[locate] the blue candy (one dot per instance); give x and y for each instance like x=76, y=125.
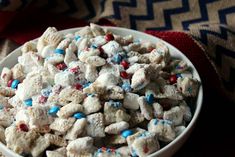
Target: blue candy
x=127, y=133
x=150, y=98
x=77, y=38
x=117, y=58
x=155, y=121
x=14, y=84
x=178, y=75
x=59, y=51
x=86, y=85
x=79, y=115
x=53, y=110
x=1, y=106
x=46, y=92
x=94, y=46
x=126, y=87
x=28, y=102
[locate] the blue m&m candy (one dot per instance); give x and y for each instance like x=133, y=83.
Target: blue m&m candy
x=28, y=102
x=117, y=58
x=53, y=110
x=77, y=37
x=150, y=98
x=127, y=133
x=126, y=87
x=14, y=84
x=59, y=51
x=86, y=85
x=79, y=115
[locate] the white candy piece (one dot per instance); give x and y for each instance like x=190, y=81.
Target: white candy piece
x=77, y=129
x=116, y=128
x=62, y=125
x=111, y=48
x=69, y=109
x=163, y=129
x=64, y=78
x=140, y=79
x=131, y=101
x=80, y=146
x=175, y=114
x=188, y=86
x=146, y=110
x=91, y=104
x=95, y=125
x=29, y=87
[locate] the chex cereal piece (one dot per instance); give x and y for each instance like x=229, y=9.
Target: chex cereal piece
x=175, y=114
x=116, y=128
x=96, y=29
x=113, y=92
x=95, y=125
x=158, y=110
x=136, y=118
x=55, y=140
x=69, y=109
x=71, y=94
x=28, y=47
x=145, y=145
x=188, y=86
x=40, y=145
x=6, y=75
x=170, y=92
x=115, y=139
x=91, y=104
x=140, y=79
x=124, y=151
x=77, y=129
x=121, y=115
x=187, y=114
x=62, y=125
x=146, y=109
x=163, y=128
x=6, y=118
x=2, y=135
x=131, y=101
x=111, y=48
x=80, y=146
x=64, y=78
x=20, y=141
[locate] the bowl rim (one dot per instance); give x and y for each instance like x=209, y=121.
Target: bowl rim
x=198, y=103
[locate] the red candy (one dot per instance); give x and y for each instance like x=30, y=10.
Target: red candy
x=9, y=83
x=124, y=75
x=146, y=149
x=125, y=64
x=109, y=37
x=61, y=66
x=73, y=70
x=42, y=99
x=23, y=127
x=78, y=86
x=173, y=79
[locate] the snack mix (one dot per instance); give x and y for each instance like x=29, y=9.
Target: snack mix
x=94, y=93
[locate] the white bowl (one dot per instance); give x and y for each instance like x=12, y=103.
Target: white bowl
x=169, y=149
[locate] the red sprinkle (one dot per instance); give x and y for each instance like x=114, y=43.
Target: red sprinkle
x=124, y=75
x=61, y=66
x=23, y=127
x=109, y=37
x=78, y=86
x=9, y=83
x=146, y=149
x=42, y=99
x=125, y=64
x=173, y=79
x=103, y=148
x=73, y=70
